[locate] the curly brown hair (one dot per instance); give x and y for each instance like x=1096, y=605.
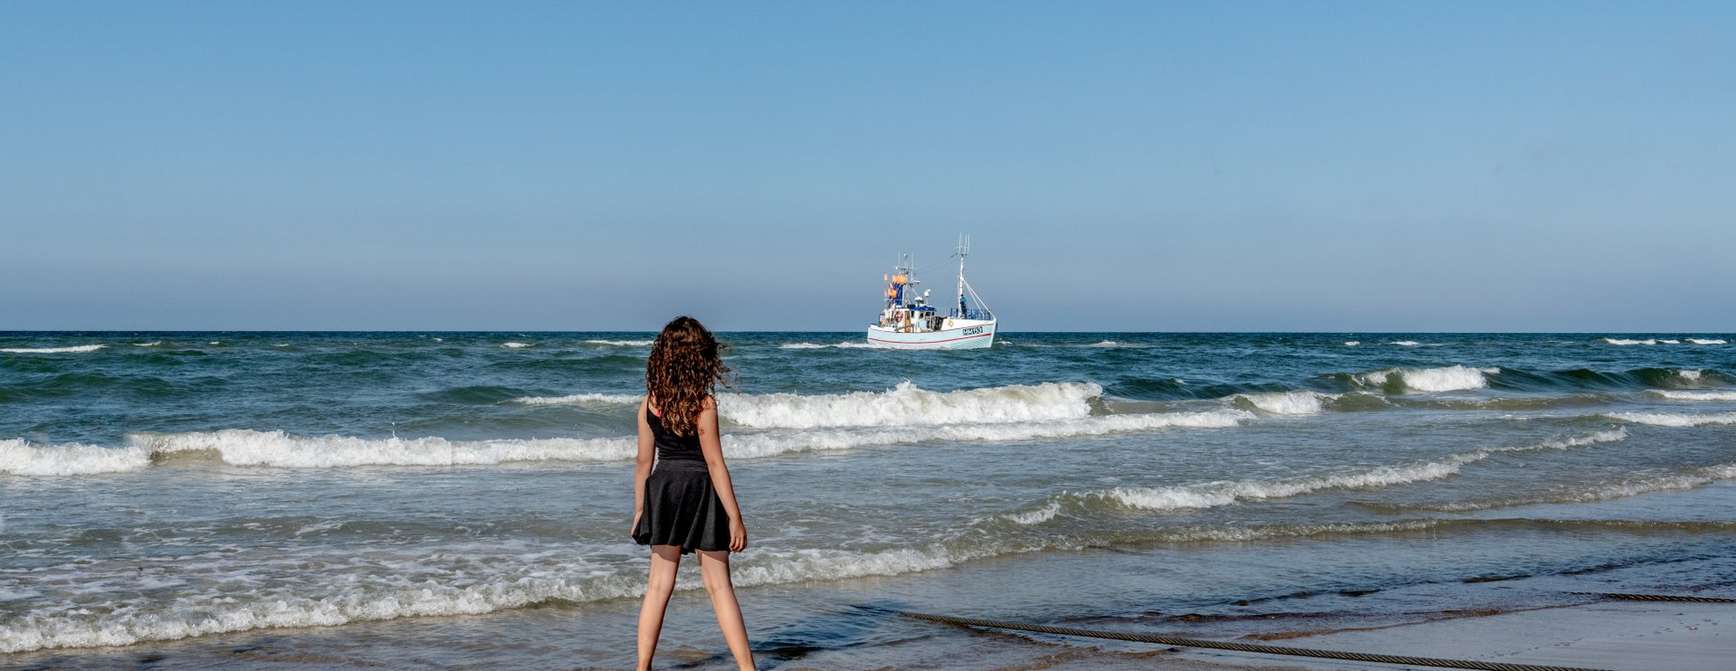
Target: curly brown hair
x=686, y=365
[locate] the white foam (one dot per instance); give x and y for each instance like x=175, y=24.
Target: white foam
x=1287, y=402
x=774, y=443
x=848, y=344
x=1211, y=495
x=1690, y=374
x=1607, y=491
x=504, y=585
x=1610, y=436
x=152, y=343
x=621, y=343
x=74, y=349
x=1405, y=343
x=20, y=457
x=245, y=447
x=903, y=405
x=1674, y=419
x=1669, y=342
x=1245, y=534
x=907, y=405
x=581, y=399
x=1695, y=395
x=1037, y=516
x=1214, y=494
x=512, y=344
x=1106, y=343
x=1709, y=341
x=1628, y=341
x=1352, y=343
x=1449, y=378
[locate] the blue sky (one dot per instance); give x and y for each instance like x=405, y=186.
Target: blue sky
x=1138, y=166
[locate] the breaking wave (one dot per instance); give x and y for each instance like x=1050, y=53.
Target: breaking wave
x=621, y=343
x=1594, y=493
x=1449, y=378
x=1216, y=494
x=1615, y=435
x=908, y=404
x=245, y=447
x=1284, y=402
x=1663, y=341
x=74, y=349
x=1695, y=395
x=581, y=399
x=903, y=405
x=1212, y=495
x=20, y=457
x=513, y=344
x=1674, y=419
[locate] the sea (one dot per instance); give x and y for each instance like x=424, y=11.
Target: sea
x=462, y=500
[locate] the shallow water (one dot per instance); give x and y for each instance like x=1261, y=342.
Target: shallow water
x=462, y=498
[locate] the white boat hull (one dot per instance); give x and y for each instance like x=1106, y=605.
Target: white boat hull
x=970, y=336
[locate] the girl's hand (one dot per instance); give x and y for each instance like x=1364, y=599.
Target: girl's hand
x=737, y=536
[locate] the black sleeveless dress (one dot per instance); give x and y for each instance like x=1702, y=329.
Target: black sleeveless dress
x=681, y=508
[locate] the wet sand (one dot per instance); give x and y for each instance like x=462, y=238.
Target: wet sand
x=1615, y=635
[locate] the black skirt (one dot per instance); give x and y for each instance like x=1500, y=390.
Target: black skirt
x=681, y=508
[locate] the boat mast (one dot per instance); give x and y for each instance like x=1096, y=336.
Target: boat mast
x=961, y=251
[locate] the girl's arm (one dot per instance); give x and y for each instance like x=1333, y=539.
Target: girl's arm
x=712, y=448
x=642, y=464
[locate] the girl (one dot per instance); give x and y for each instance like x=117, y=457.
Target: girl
x=686, y=503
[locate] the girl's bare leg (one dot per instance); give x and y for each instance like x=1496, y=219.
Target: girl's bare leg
x=665, y=559
x=714, y=568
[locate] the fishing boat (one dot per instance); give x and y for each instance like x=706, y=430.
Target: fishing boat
x=908, y=321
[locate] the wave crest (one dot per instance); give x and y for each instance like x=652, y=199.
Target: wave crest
x=581, y=399
x=1448, y=378
x=1695, y=395
x=73, y=349
x=908, y=404
x=1674, y=419
x=1225, y=493
x=1284, y=402
x=245, y=447
x=1598, y=492
x=841, y=345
